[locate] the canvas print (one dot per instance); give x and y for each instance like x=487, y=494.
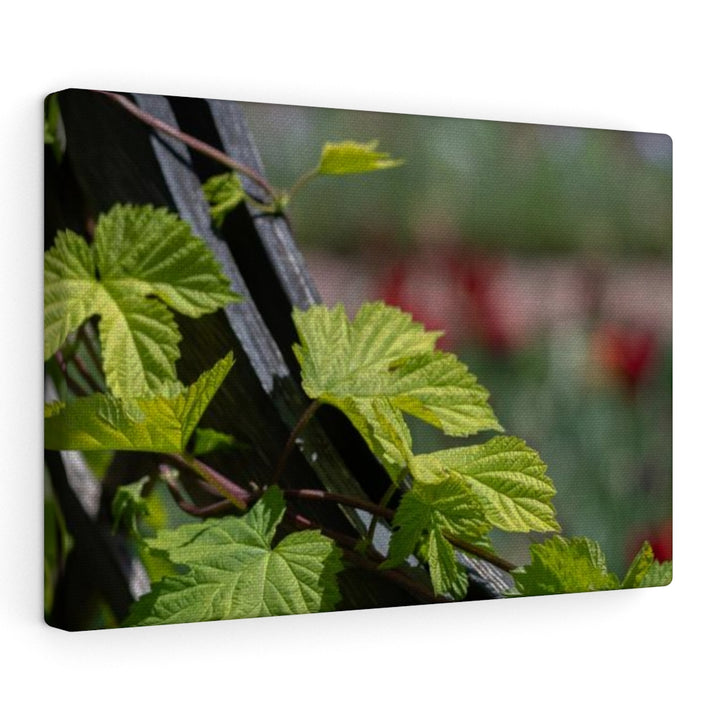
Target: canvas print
x=301, y=360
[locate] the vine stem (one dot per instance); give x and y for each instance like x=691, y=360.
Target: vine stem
x=370, y=507
x=382, y=511
x=480, y=553
x=240, y=498
x=193, y=142
x=347, y=545
x=191, y=509
x=310, y=410
x=228, y=489
x=301, y=182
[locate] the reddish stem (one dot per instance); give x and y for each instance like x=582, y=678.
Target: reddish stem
x=190, y=141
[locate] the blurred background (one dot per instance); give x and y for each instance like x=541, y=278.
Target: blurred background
x=545, y=254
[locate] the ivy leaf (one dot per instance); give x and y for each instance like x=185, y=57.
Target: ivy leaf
x=137, y=252
x=348, y=157
x=162, y=423
x=562, y=565
x=129, y=504
x=431, y=510
x=223, y=193
x=507, y=476
x=380, y=365
x=234, y=572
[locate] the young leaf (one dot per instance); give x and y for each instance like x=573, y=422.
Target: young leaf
x=129, y=504
x=450, y=507
x=350, y=157
x=162, y=423
x=507, y=476
x=381, y=364
x=560, y=565
x=137, y=252
x=223, y=193
x=234, y=572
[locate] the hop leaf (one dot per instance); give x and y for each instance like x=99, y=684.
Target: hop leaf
x=350, y=157
x=560, y=565
x=658, y=574
x=223, y=193
x=138, y=252
x=506, y=475
x=431, y=511
x=234, y=572
x=162, y=423
x=380, y=365
x=646, y=571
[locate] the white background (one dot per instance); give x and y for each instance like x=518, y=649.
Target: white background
x=631, y=66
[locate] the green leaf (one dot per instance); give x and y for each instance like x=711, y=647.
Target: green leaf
x=137, y=252
x=507, y=476
x=562, y=565
x=163, y=423
x=384, y=430
x=208, y=441
x=70, y=288
x=223, y=193
x=350, y=157
x=646, y=571
x=234, y=572
x=429, y=511
x=658, y=574
x=639, y=567
x=380, y=365
x=129, y=504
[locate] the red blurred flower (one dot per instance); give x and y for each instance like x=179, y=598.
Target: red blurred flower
x=487, y=315
x=458, y=293
x=407, y=286
x=627, y=353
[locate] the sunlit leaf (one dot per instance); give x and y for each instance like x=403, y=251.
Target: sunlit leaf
x=137, y=252
x=507, y=476
x=350, y=157
x=233, y=570
x=383, y=364
x=427, y=512
x=160, y=423
x=562, y=565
